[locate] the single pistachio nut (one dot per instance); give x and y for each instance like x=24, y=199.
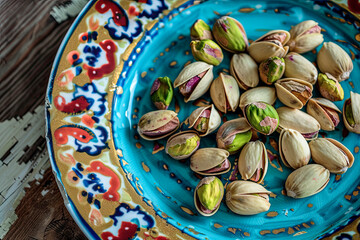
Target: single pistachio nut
x=351, y=113
x=259, y=94
x=245, y=70
x=325, y=112
x=204, y=120
x=200, y=30
x=293, y=148
x=233, y=135
x=297, y=66
x=293, y=92
x=210, y=161
x=271, y=44
x=262, y=117
x=225, y=93
x=247, y=198
x=158, y=124
x=334, y=60
x=207, y=51
x=329, y=87
x=208, y=195
x=331, y=154
x=161, y=93
x=271, y=70
x=194, y=80
x=305, y=36
x=230, y=34
x=182, y=145
x=307, y=181
x=253, y=162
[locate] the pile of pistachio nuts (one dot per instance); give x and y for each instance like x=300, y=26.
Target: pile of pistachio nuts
x=275, y=59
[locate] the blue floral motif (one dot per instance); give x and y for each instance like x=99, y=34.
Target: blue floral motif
x=95, y=99
x=124, y=213
x=152, y=8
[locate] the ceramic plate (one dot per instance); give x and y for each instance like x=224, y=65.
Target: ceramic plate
x=119, y=186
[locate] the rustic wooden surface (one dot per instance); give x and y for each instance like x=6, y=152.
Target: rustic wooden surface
x=31, y=206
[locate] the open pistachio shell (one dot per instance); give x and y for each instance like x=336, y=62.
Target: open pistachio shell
x=297, y=66
x=351, y=113
x=253, y=162
x=325, y=112
x=245, y=70
x=293, y=92
x=194, y=80
x=204, y=126
x=331, y=154
x=225, y=93
x=183, y=144
x=271, y=44
x=259, y=94
x=300, y=121
x=210, y=161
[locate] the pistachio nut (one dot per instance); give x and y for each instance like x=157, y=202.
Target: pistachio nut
x=298, y=120
x=293, y=92
x=245, y=70
x=161, y=93
x=200, y=30
x=253, y=162
x=306, y=181
x=334, y=60
x=262, y=117
x=293, y=148
x=271, y=44
x=259, y=94
x=205, y=120
x=297, y=66
x=158, y=124
x=351, y=113
x=210, y=161
x=329, y=87
x=182, y=145
x=207, y=51
x=233, y=135
x=247, y=198
x=230, y=34
x=208, y=195
x=194, y=80
x=331, y=154
x=271, y=70
x=305, y=36
x=225, y=93
x=325, y=112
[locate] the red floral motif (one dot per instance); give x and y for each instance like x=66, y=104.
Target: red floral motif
x=354, y=6
x=61, y=135
x=126, y=232
x=102, y=6
x=78, y=105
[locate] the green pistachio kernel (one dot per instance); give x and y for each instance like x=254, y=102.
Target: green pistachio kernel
x=200, y=30
x=272, y=69
x=210, y=194
x=239, y=141
x=161, y=93
x=186, y=148
x=349, y=114
x=330, y=88
x=207, y=51
x=262, y=117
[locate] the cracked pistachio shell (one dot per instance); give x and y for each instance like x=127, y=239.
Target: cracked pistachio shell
x=298, y=120
x=307, y=181
x=207, y=51
x=351, y=113
x=271, y=70
x=200, y=30
x=230, y=34
x=305, y=36
x=293, y=92
x=161, y=93
x=182, y=145
x=259, y=94
x=325, y=112
x=247, y=198
x=210, y=161
x=233, y=135
x=293, y=148
x=334, y=60
x=331, y=154
x=245, y=70
x=262, y=117
x=297, y=66
x=190, y=77
x=225, y=93
x=208, y=195
x=253, y=162
x=209, y=123
x=158, y=124
x=271, y=44
x=330, y=88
